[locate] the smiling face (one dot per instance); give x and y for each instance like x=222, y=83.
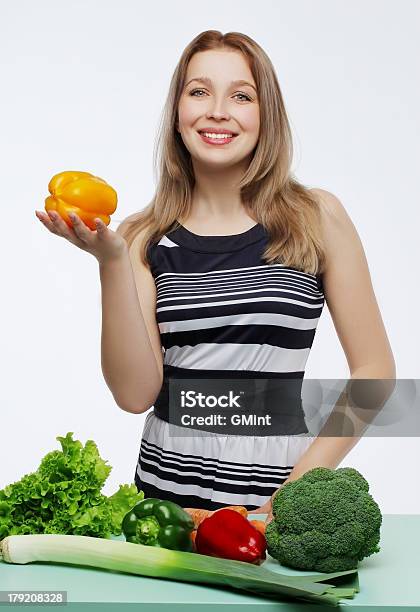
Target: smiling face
x=217, y=104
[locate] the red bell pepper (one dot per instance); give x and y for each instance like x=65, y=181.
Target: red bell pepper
x=229, y=535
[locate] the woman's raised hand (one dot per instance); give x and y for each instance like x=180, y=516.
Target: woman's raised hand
x=102, y=243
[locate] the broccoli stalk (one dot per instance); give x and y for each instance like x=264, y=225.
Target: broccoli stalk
x=325, y=521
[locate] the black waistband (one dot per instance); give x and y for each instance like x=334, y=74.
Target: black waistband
x=278, y=394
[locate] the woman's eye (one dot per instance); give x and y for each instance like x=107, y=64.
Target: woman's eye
x=238, y=94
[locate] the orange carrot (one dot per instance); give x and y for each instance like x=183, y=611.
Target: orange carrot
x=198, y=515
x=193, y=535
x=241, y=509
x=259, y=525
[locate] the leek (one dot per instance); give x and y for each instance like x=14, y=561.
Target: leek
x=175, y=565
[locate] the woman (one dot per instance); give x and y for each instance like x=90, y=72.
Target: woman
x=228, y=269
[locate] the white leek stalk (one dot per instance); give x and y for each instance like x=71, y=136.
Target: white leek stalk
x=174, y=565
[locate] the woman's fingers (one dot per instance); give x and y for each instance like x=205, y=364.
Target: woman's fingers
x=100, y=227
x=51, y=220
x=45, y=219
x=102, y=243
x=61, y=226
x=80, y=229
x=56, y=224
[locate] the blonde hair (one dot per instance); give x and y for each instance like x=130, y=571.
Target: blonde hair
x=273, y=197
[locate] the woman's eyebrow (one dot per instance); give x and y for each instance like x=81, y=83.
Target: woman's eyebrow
x=208, y=81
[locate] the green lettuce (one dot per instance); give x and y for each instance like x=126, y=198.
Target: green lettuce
x=64, y=495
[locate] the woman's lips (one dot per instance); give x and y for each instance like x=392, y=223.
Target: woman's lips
x=216, y=141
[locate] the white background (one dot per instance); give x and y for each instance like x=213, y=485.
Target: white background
x=83, y=85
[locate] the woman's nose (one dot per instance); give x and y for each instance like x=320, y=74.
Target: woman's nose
x=217, y=107
x=218, y=112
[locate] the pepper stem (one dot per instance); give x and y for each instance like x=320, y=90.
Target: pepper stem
x=147, y=530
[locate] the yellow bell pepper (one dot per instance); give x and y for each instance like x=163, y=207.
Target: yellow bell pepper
x=82, y=193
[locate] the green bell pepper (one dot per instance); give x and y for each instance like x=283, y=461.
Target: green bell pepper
x=156, y=522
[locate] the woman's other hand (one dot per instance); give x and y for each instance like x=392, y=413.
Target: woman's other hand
x=266, y=509
x=103, y=243
x=269, y=518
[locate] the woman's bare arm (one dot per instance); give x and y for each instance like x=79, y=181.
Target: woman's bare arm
x=131, y=353
x=357, y=319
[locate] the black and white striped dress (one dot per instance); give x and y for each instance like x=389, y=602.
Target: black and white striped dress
x=222, y=311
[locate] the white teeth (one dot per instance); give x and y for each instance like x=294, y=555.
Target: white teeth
x=216, y=135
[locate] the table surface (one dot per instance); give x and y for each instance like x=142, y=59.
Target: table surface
x=388, y=580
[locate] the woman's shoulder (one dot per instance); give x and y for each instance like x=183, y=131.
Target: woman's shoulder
x=330, y=205
x=338, y=230
x=335, y=220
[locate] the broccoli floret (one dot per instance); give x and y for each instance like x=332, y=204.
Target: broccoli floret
x=325, y=521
